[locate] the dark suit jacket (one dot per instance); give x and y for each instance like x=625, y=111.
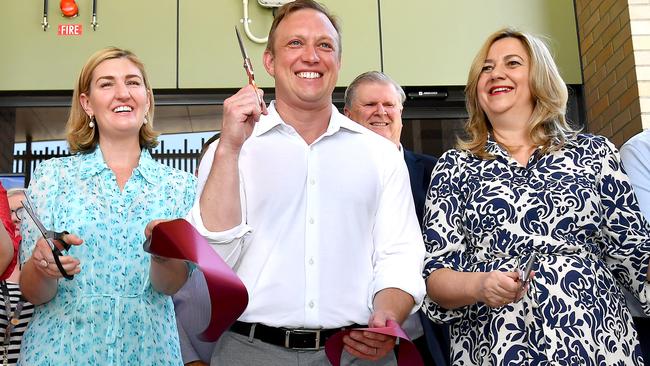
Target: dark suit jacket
x=420, y=168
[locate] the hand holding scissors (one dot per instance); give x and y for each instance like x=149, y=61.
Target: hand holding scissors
x=241, y=111
x=526, y=275
x=56, y=243
x=248, y=67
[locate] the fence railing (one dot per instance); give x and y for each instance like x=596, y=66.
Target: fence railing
x=185, y=159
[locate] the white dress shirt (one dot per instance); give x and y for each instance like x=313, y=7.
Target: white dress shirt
x=634, y=155
x=324, y=226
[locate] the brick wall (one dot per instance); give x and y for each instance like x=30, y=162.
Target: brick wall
x=609, y=35
x=640, y=25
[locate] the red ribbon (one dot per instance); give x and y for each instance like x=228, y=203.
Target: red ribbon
x=407, y=355
x=178, y=239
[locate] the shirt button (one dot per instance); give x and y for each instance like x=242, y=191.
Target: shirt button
x=120, y=209
x=312, y=181
x=311, y=304
x=311, y=261
x=311, y=220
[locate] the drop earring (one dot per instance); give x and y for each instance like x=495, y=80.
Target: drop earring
x=91, y=124
x=145, y=120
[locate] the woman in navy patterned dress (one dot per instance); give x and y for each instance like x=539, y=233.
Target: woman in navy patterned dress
x=524, y=182
x=116, y=310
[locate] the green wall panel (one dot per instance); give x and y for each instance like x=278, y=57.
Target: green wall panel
x=425, y=42
x=429, y=42
x=36, y=60
x=209, y=56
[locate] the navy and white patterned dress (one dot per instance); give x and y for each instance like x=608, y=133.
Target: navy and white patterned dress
x=575, y=209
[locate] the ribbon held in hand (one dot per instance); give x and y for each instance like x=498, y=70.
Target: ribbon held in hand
x=407, y=355
x=228, y=296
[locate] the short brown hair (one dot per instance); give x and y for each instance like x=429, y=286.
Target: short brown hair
x=548, y=127
x=294, y=6
x=80, y=136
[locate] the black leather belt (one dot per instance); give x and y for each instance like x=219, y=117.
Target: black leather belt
x=302, y=339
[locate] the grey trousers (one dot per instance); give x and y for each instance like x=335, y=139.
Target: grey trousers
x=234, y=349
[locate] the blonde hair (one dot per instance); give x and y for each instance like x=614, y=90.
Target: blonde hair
x=548, y=127
x=80, y=136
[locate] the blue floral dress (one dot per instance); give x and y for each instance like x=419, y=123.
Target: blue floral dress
x=109, y=314
x=575, y=208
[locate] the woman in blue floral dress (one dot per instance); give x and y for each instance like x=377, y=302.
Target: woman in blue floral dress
x=116, y=310
x=524, y=182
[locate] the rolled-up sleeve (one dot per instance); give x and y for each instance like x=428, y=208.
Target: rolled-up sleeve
x=399, y=250
x=229, y=244
x=444, y=237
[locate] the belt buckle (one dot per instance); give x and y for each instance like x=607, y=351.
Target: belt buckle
x=287, y=336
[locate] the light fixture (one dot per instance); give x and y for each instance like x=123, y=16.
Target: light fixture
x=69, y=8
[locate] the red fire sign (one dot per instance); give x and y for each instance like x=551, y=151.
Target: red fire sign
x=70, y=30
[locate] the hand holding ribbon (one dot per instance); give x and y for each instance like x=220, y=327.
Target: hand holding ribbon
x=228, y=296
x=407, y=354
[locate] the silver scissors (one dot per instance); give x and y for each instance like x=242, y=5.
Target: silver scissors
x=248, y=66
x=524, y=275
x=52, y=237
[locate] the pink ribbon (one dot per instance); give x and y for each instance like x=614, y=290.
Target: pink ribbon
x=178, y=239
x=407, y=355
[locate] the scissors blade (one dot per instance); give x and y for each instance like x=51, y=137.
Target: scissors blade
x=241, y=44
x=29, y=208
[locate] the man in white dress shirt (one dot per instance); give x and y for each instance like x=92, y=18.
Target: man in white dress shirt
x=313, y=211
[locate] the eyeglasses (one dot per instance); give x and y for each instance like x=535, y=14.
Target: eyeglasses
x=19, y=212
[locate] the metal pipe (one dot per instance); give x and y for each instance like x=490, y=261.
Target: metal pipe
x=94, y=20
x=45, y=23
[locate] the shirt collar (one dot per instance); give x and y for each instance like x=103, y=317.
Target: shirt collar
x=570, y=142
x=92, y=163
x=268, y=122
x=494, y=149
x=273, y=120
x=147, y=167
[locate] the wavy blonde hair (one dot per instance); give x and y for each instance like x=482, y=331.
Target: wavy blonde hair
x=548, y=126
x=82, y=138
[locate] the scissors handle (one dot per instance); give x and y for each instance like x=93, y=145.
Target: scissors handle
x=58, y=236
x=251, y=81
x=57, y=261
x=53, y=237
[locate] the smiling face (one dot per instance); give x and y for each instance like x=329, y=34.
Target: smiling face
x=305, y=60
x=503, y=87
x=377, y=106
x=118, y=99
